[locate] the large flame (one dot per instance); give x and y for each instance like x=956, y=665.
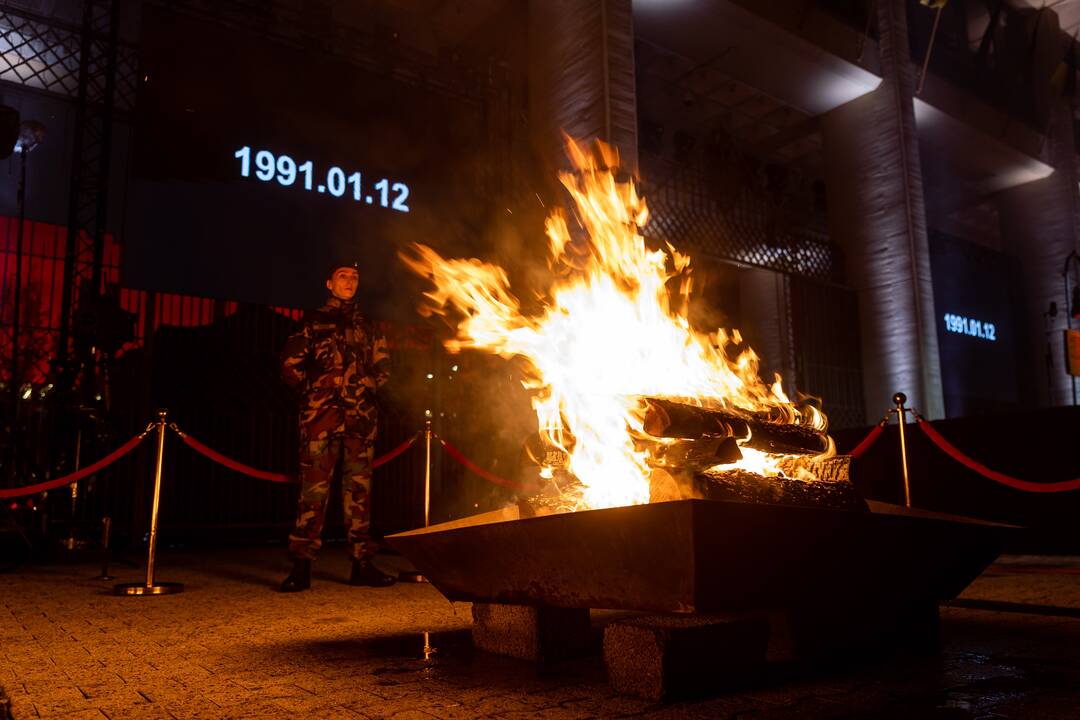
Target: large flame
x=610, y=333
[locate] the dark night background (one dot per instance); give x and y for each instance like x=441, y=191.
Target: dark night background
x=195, y=226
x=212, y=271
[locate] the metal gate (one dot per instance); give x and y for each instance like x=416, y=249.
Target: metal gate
x=825, y=320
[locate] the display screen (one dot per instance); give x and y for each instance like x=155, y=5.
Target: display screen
x=284, y=170
x=972, y=297
x=257, y=163
x=969, y=326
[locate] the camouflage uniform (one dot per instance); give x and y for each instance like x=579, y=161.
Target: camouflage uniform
x=337, y=363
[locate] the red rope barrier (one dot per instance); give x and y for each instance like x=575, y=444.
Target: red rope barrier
x=870, y=439
x=233, y=464
x=387, y=457
x=986, y=472
x=78, y=474
x=470, y=465
x=277, y=477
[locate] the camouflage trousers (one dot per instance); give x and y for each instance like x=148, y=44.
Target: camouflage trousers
x=317, y=461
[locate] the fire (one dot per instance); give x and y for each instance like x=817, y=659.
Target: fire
x=610, y=334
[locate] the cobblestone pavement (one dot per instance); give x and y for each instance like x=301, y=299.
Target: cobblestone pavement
x=230, y=647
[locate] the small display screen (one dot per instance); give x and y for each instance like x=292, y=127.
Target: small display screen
x=976, y=341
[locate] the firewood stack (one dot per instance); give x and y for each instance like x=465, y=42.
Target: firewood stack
x=691, y=450
x=689, y=446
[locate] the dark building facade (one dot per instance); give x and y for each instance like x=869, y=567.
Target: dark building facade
x=880, y=195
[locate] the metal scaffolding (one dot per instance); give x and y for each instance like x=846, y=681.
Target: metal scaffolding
x=90, y=66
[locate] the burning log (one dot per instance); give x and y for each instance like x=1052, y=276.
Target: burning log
x=693, y=455
x=836, y=468
x=674, y=463
x=831, y=487
x=671, y=419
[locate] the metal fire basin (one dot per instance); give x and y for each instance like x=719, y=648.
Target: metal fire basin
x=705, y=556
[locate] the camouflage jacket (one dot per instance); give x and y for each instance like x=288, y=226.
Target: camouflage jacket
x=335, y=359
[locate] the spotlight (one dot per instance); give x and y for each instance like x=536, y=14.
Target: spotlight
x=31, y=133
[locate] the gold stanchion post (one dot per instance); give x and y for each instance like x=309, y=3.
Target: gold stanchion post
x=412, y=575
x=150, y=587
x=427, y=473
x=428, y=649
x=71, y=542
x=106, y=528
x=901, y=419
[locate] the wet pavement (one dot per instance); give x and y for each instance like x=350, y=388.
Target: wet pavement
x=231, y=647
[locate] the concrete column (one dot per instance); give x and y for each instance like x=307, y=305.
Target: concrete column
x=877, y=214
x=581, y=77
x=1039, y=228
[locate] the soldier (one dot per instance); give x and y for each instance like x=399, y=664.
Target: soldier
x=336, y=362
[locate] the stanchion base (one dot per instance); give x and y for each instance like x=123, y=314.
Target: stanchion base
x=411, y=576
x=104, y=578
x=74, y=543
x=143, y=589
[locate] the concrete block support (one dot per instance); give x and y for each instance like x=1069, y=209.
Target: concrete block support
x=876, y=628
x=660, y=657
x=525, y=632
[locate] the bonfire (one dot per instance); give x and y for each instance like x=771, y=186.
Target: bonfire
x=632, y=398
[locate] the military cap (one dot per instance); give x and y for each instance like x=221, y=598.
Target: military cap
x=342, y=262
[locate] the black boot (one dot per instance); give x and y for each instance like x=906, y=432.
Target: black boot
x=364, y=572
x=300, y=577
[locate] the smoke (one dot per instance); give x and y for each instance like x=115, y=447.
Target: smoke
x=477, y=399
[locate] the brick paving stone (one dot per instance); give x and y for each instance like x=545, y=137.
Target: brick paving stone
x=230, y=647
x=548, y=713
x=256, y=710
x=409, y=715
x=90, y=688
x=135, y=712
x=128, y=696
x=301, y=705
x=188, y=709
x=492, y=706
x=54, y=691
x=23, y=708
x=54, y=707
